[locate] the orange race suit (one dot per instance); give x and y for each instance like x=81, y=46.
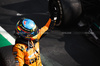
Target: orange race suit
x=27, y=53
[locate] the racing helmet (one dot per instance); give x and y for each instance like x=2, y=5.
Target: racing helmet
x=27, y=29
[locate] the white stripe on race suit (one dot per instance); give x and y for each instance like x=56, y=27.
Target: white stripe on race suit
x=4, y=33
x=33, y=53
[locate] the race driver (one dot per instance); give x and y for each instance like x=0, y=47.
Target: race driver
x=26, y=50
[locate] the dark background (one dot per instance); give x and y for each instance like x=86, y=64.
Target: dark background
x=60, y=46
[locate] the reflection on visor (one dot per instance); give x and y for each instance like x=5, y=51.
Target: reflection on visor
x=35, y=32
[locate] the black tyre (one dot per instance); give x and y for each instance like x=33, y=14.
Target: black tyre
x=6, y=57
x=66, y=11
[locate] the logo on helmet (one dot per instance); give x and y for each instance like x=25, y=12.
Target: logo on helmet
x=24, y=22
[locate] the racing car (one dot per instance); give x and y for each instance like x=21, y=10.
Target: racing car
x=65, y=12
x=90, y=21
x=85, y=13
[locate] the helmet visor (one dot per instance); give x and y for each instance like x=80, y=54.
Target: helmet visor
x=35, y=32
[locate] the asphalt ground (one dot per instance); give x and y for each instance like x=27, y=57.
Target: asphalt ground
x=60, y=46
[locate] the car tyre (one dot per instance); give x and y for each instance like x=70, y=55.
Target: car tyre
x=66, y=11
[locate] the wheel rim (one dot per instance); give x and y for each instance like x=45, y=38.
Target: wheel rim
x=55, y=9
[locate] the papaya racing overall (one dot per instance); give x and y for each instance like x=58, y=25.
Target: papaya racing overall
x=27, y=52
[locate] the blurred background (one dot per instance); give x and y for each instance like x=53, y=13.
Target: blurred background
x=60, y=46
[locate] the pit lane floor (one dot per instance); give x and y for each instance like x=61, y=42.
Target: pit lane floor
x=60, y=46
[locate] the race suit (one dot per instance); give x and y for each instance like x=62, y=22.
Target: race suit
x=27, y=53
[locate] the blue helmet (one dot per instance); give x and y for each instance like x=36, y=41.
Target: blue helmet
x=27, y=29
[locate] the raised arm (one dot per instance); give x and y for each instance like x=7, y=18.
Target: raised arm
x=44, y=28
